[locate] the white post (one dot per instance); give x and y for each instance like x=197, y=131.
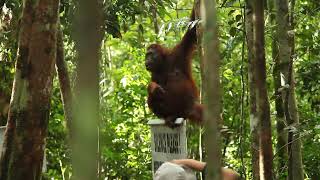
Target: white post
x=166, y=143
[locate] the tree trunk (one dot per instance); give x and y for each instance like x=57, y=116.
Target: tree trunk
x=24, y=140
x=295, y=166
x=64, y=80
x=263, y=107
x=295, y=157
x=254, y=122
x=86, y=104
x=199, y=31
x=212, y=90
x=154, y=18
x=286, y=54
x=197, y=11
x=282, y=135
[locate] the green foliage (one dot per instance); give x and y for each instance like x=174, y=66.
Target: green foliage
x=57, y=153
x=125, y=134
x=308, y=83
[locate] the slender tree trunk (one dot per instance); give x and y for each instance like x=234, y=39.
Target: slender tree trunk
x=197, y=11
x=64, y=80
x=282, y=135
x=86, y=103
x=263, y=107
x=140, y=27
x=212, y=90
x=286, y=54
x=196, y=7
x=254, y=121
x=154, y=18
x=295, y=166
x=24, y=141
x=295, y=156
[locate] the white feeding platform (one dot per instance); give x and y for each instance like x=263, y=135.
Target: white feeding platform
x=166, y=143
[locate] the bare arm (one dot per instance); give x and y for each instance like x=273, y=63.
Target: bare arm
x=227, y=174
x=191, y=163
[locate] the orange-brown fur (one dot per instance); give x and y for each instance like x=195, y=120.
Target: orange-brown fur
x=172, y=92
